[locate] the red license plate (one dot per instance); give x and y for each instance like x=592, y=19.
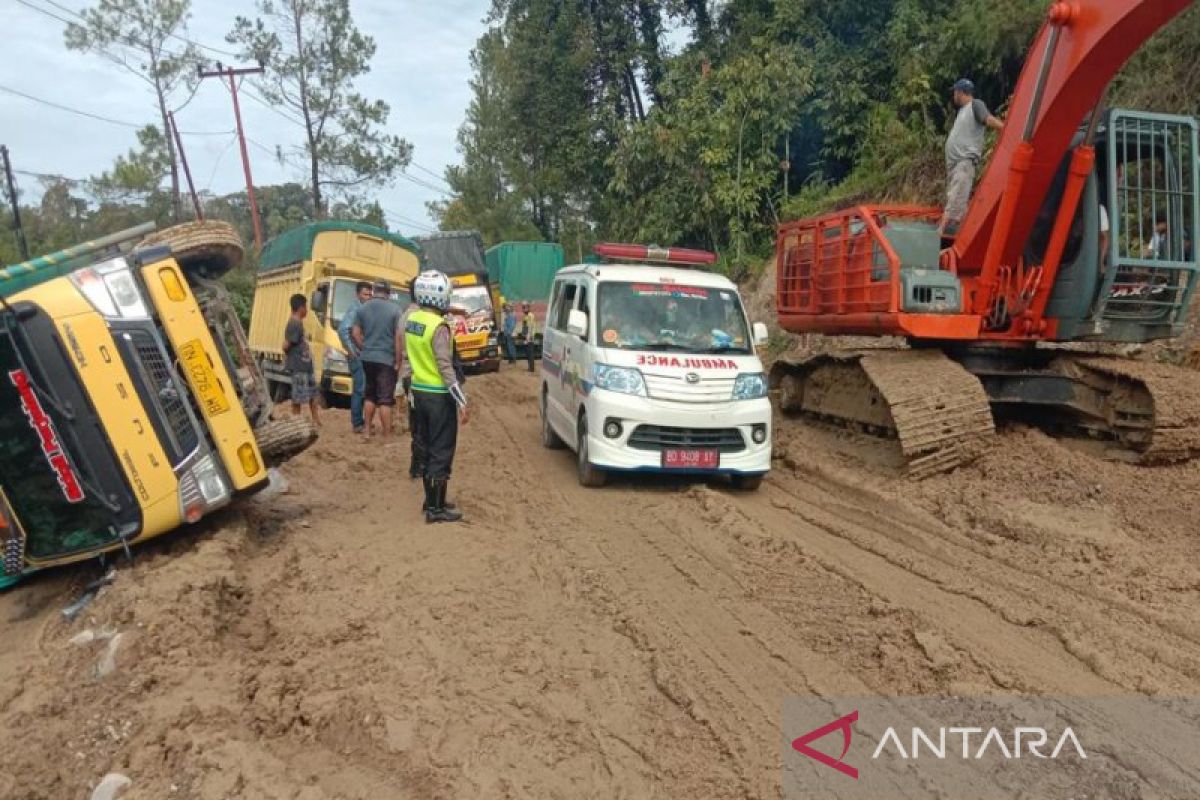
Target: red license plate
x=691, y=459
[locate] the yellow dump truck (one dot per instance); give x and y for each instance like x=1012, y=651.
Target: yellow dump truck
x=128, y=402
x=323, y=261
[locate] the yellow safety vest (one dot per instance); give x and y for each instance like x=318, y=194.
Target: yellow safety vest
x=418, y=342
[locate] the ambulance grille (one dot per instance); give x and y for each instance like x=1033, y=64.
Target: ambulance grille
x=658, y=438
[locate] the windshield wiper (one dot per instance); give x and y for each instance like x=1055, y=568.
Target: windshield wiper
x=660, y=347
x=723, y=348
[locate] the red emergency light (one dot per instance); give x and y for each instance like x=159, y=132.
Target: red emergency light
x=661, y=255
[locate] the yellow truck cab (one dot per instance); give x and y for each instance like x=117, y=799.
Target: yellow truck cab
x=473, y=306
x=123, y=413
x=324, y=262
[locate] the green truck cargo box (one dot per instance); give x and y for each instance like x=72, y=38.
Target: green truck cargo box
x=524, y=270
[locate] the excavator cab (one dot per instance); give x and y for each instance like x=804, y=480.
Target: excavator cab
x=1135, y=282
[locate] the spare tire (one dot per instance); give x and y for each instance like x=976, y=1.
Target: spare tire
x=208, y=249
x=283, y=439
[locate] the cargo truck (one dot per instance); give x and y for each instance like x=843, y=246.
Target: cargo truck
x=128, y=402
x=525, y=272
x=459, y=254
x=323, y=261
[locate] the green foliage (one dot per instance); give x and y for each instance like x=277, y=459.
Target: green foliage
x=143, y=38
x=704, y=168
x=312, y=53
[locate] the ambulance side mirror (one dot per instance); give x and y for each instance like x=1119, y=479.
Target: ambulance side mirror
x=761, y=334
x=577, y=323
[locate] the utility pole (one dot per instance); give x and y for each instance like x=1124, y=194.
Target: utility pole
x=187, y=172
x=16, y=209
x=233, y=74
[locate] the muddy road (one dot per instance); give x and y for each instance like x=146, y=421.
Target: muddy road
x=630, y=642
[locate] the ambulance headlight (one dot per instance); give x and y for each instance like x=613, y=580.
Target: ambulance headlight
x=750, y=386
x=622, y=380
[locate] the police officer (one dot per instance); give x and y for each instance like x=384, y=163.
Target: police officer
x=438, y=399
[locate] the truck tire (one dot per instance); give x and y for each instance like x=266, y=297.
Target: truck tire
x=208, y=249
x=283, y=439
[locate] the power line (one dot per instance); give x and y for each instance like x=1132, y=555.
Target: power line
x=217, y=165
x=86, y=182
x=128, y=40
x=98, y=117
x=424, y=184
x=429, y=172
x=253, y=95
x=412, y=223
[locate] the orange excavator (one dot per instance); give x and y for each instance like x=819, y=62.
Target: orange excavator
x=1003, y=321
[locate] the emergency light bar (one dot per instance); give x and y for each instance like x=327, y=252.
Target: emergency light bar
x=660, y=255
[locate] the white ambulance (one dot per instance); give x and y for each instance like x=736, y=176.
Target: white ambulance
x=649, y=365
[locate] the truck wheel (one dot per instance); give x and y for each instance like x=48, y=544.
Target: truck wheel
x=282, y=439
x=746, y=483
x=589, y=475
x=550, y=439
x=208, y=249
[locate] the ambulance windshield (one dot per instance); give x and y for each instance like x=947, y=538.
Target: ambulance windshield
x=672, y=318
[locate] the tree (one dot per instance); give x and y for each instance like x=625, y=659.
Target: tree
x=138, y=173
x=312, y=52
x=704, y=169
x=143, y=37
x=485, y=198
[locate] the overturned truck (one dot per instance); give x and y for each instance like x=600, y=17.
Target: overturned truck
x=129, y=404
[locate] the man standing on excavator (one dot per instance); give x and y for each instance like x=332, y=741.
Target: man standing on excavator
x=964, y=150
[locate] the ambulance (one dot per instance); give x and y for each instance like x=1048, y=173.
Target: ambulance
x=649, y=366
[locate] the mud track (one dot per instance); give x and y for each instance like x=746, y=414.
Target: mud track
x=630, y=642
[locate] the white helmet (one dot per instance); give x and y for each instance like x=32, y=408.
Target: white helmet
x=432, y=288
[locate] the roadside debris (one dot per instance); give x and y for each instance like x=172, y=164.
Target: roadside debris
x=112, y=786
x=89, y=594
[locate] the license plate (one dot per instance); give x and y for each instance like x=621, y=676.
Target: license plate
x=691, y=459
x=203, y=379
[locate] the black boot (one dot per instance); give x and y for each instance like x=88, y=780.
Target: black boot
x=431, y=499
x=430, y=495
x=438, y=512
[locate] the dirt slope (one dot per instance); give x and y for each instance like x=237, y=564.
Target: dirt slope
x=631, y=642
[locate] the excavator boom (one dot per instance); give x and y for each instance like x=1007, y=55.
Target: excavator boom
x=1080, y=49
x=1033, y=263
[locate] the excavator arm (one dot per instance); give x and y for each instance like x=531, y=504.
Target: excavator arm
x=1078, y=52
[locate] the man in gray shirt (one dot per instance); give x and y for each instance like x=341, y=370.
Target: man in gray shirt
x=298, y=360
x=964, y=150
x=376, y=333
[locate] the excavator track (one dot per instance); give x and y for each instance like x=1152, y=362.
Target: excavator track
x=1153, y=409
x=937, y=410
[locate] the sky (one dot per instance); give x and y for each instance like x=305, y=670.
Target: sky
x=421, y=69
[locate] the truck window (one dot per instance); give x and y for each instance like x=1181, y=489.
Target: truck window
x=476, y=301
x=344, y=298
